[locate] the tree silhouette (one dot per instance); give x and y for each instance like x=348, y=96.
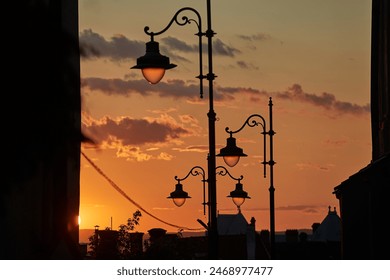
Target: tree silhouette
x=123, y=244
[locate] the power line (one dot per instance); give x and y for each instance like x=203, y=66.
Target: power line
x=118, y=189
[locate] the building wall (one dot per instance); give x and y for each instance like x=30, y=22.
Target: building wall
x=364, y=196
x=380, y=78
x=39, y=197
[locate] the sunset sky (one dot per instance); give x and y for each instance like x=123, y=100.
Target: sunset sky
x=311, y=56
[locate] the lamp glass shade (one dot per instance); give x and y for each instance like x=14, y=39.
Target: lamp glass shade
x=179, y=201
x=238, y=201
x=153, y=75
x=231, y=160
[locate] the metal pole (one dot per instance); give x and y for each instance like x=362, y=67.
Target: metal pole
x=271, y=187
x=212, y=182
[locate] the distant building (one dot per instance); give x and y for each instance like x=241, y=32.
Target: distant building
x=329, y=229
x=234, y=229
x=322, y=243
x=237, y=240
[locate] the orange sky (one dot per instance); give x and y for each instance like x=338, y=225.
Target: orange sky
x=311, y=57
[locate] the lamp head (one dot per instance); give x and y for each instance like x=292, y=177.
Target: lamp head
x=178, y=196
x=231, y=153
x=153, y=64
x=239, y=195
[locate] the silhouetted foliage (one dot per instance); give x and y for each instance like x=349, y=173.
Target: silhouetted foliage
x=121, y=247
x=124, y=239
x=93, y=244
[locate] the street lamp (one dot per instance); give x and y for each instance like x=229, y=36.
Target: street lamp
x=231, y=155
x=179, y=196
x=153, y=66
x=238, y=195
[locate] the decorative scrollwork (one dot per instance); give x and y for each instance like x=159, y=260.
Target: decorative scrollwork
x=251, y=122
x=181, y=22
x=223, y=172
x=195, y=171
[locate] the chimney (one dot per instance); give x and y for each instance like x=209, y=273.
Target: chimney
x=136, y=241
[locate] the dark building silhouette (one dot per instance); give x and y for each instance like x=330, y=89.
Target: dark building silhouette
x=323, y=243
x=364, y=196
x=39, y=196
x=137, y=244
x=107, y=245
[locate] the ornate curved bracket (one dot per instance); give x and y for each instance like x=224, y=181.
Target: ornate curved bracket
x=251, y=122
x=224, y=172
x=181, y=22
x=195, y=171
x=184, y=20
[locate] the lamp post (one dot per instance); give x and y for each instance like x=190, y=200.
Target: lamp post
x=231, y=155
x=179, y=196
x=153, y=66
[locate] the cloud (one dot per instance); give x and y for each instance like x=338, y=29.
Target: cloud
x=303, y=208
x=178, y=45
x=194, y=148
x=310, y=209
x=131, y=153
x=178, y=89
x=315, y=166
x=128, y=136
x=324, y=100
x=119, y=47
x=255, y=37
x=130, y=131
x=94, y=45
x=246, y=65
x=222, y=49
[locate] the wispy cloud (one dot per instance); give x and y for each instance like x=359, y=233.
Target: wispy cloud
x=119, y=47
x=247, y=65
x=314, y=166
x=129, y=135
x=309, y=209
x=178, y=89
x=303, y=208
x=221, y=48
x=130, y=131
x=195, y=148
x=325, y=100
x=255, y=37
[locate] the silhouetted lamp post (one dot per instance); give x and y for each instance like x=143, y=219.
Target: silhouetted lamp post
x=179, y=196
x=153, y=66
x=231, y=155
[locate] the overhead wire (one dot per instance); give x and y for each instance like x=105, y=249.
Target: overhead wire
x=123, y=193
